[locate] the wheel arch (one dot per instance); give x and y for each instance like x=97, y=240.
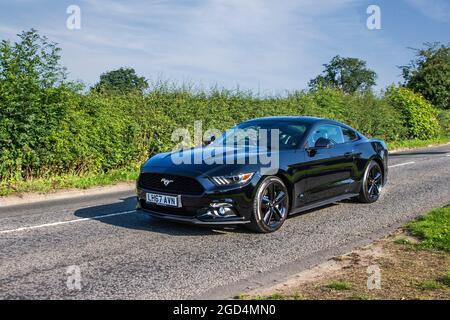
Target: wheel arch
x=281, y=175
x=380, y=162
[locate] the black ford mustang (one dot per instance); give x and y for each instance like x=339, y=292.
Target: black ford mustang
x=311, y=162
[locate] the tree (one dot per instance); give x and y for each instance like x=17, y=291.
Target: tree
x=429, y=74
x=33, y=59
x=32, y=92
x=123, y=80
x=348, y=74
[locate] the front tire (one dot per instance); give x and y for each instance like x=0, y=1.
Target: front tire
x=270, y=206
x=371, y=184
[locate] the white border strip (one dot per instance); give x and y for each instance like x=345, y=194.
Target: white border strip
x=401, y=164
x=28, y=198
x=65, y=222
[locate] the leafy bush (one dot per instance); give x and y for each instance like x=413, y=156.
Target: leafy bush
x=96, y=133
x=100, y=133
x=222, y=110
x=417, y=113
x=444, y=121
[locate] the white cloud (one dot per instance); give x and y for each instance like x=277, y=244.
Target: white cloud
x=272, y=45
x=254, y=43
x=438, y=10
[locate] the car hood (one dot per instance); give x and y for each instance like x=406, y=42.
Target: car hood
x=205, y=161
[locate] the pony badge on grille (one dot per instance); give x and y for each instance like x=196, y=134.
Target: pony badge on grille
x=166, y=181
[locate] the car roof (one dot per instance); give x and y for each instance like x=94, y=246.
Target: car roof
x=295, y=118
x=305, y=119
x=287, y=118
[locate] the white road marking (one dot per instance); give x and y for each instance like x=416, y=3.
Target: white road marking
x=401, y=164
x=65, y=222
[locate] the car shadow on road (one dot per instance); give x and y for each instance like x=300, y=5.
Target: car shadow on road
x=138, y=220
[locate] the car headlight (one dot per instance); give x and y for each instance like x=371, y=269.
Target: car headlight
x=231, y=180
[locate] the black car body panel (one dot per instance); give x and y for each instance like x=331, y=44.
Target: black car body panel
x=314, y=177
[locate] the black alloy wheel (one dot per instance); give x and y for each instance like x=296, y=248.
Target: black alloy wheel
x=372, y=183
x=271, y=205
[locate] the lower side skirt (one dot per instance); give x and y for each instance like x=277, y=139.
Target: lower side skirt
x=323, y=203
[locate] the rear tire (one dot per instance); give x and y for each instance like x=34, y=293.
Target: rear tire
x=270, y=206
x=371, y=184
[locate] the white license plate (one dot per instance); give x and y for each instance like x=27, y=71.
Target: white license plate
x=163, y=200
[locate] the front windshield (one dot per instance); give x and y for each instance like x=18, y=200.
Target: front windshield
x=259, y=134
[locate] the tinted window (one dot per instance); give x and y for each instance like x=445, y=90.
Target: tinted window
x=290, y=134
x=349, y=135
x=327, y=131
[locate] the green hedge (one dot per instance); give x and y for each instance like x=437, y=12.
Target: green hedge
x=61, y=131
x=418, y=115
x=444, y=121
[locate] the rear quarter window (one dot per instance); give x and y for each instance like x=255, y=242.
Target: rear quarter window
x=349, y=135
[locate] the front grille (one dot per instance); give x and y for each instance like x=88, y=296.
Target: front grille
x=179, y=184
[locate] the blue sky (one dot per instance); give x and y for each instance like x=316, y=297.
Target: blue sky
x=268, y=46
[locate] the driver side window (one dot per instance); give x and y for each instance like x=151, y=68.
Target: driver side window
x=326, y=131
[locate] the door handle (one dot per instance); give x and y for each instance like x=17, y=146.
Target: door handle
x=348, y=154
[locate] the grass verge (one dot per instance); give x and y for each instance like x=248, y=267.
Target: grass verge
x=414, y=263
x=339, y=285
x=415, y=143
x=275, y=296
x=52, y=184
x=432, y=229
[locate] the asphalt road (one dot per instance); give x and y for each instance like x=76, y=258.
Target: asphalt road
x=122, y=254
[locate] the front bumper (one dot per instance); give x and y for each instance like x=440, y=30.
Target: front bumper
x=203, y=209
x=194, y=220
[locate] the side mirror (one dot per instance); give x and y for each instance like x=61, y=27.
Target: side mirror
x=209, y=141
x=323, y=143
